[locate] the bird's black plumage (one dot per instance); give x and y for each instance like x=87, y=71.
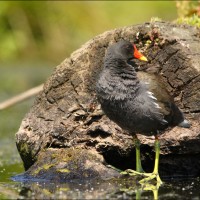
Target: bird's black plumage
x=129, y=100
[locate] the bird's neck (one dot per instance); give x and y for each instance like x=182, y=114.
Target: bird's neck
x=121, y=69
x=121, y=79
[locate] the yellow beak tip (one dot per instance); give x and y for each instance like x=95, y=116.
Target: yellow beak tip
x=143, y=58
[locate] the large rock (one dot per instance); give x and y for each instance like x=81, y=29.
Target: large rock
x=67, y=120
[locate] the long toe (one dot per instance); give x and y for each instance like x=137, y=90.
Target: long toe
x=116, y=169
x=131, y=172
x=150, y=177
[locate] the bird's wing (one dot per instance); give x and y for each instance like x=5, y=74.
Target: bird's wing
x=148, y=105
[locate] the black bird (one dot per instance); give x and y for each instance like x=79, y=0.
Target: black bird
x=137, y=102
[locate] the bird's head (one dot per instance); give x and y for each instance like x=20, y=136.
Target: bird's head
x=126, y=50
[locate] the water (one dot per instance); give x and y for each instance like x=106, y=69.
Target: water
x=100, y=189
x=11, y=164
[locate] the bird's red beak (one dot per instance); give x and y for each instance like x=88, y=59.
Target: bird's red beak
x=139, y=55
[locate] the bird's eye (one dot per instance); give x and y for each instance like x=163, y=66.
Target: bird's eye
x=128, y=47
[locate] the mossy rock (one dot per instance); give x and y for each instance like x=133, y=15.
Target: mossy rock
x=67, y=164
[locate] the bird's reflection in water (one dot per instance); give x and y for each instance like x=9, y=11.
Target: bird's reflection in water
x=138, y=190
x=149, y=187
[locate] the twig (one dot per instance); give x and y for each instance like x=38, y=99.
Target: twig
x=16, y=99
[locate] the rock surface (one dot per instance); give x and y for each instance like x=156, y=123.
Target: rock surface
x=66, y=116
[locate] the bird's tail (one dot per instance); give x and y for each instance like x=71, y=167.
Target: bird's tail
x=184, y=124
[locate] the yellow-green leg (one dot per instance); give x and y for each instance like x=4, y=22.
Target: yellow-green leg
x=138, y=157
x=155, y=173
x=139, y=169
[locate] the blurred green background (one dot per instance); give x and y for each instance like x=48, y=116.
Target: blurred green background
x=51, y=30
x=35, y=36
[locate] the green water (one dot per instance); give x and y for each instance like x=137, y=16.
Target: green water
x=14, y=79
x=21, y=78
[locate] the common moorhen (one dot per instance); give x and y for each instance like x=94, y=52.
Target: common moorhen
x=137, y=102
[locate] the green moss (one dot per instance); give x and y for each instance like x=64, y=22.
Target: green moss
x=36, y=171
x=24, y=150
x=64, y=156
x=44, y=167
x=49, y=162
x=53, y=156
x=148, y=43
x=47, y=166
x=63, y=170
x=194, y=20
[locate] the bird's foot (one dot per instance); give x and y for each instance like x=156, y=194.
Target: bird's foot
x=150, y=177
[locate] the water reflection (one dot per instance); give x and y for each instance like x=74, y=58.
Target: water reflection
x=102, y=189
x=148, y=187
